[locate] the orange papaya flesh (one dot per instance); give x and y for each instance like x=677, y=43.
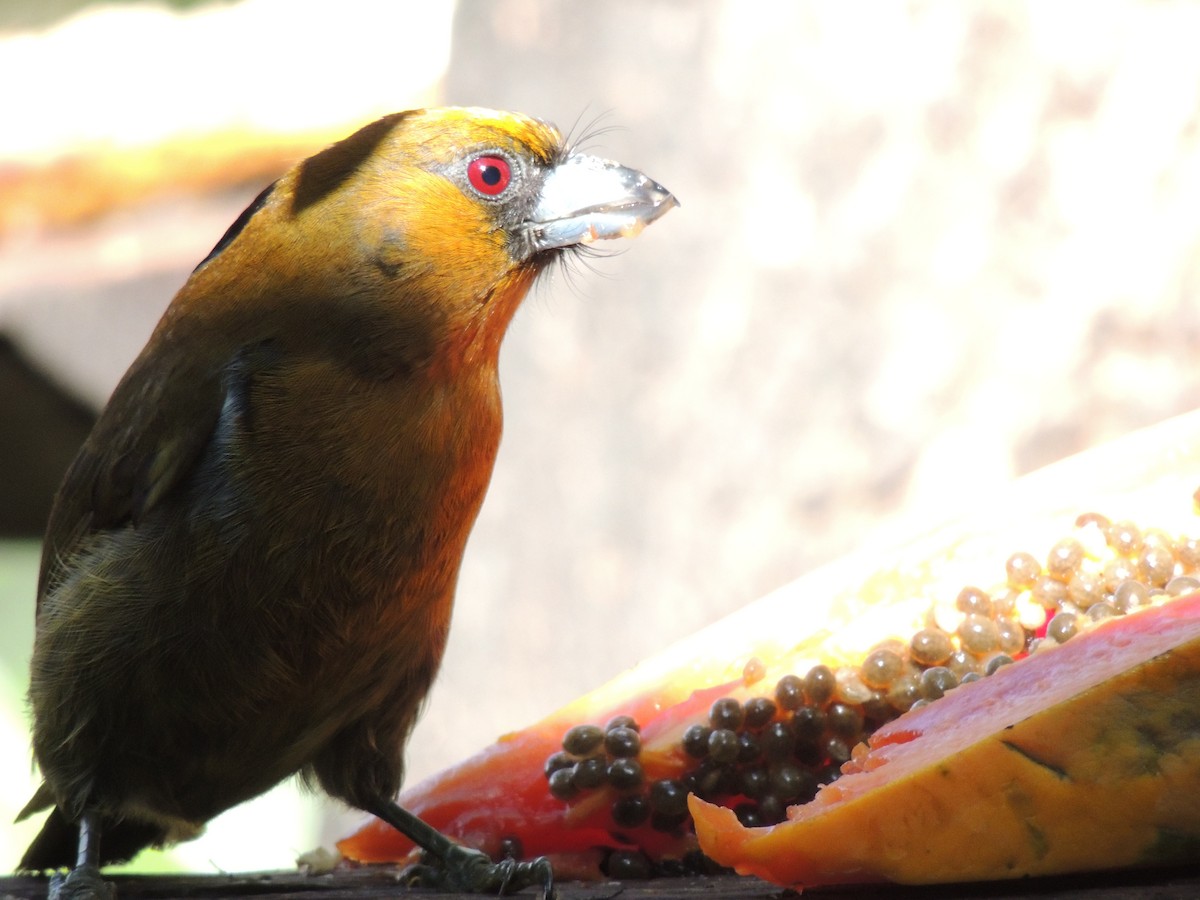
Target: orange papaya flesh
x=1086, y=756
x=877, y=599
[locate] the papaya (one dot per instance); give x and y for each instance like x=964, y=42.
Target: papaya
x=1014, y=693
x=1086, y=757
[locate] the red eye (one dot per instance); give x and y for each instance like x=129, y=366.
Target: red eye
x=489, y=175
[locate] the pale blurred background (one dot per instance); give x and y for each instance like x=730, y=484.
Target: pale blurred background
x=923, y=247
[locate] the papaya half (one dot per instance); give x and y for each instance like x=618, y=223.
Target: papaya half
x=1016, y=693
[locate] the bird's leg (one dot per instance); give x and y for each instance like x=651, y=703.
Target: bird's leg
x=84, y=882
x=460, y=868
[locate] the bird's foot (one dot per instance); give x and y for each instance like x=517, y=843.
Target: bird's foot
x=81, y=883
x=473, y=871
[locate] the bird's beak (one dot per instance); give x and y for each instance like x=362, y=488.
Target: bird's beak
x=586, y=199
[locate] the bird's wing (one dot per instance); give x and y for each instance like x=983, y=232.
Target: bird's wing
x=147, y=440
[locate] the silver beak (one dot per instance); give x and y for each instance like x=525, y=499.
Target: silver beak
x=586, y=199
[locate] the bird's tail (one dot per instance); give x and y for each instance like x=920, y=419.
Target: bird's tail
x=56, y=845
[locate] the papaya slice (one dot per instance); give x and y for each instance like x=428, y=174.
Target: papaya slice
x=765, y=716
x=1081, y=758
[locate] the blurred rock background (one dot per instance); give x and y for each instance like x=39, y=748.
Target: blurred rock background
x=923, y=248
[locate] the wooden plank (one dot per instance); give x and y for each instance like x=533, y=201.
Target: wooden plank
x=382, y=882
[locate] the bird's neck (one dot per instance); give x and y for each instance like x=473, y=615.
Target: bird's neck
x=474, y=337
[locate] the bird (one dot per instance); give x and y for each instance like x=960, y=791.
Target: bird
x=250, y=566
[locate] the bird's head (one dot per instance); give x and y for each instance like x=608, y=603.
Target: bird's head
x=447, y=212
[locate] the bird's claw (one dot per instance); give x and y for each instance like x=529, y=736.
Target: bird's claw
x=81, y=883
x=472, y=871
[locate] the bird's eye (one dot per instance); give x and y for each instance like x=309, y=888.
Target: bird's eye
x=490, y=175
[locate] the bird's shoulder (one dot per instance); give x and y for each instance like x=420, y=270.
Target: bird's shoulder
x=144, y=444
